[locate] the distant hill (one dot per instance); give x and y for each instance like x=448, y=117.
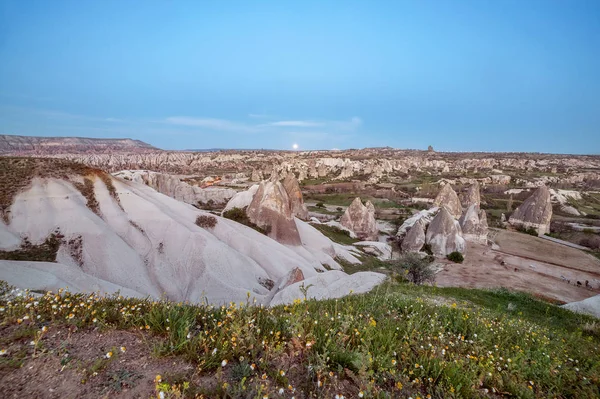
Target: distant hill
x=31, y=145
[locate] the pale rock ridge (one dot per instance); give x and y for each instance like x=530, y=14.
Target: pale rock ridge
x=175, y=188
x=590, y=306
x=147, y=244
x=535, y=212
x=444, y=234
x=361, y=220
x=447, y=198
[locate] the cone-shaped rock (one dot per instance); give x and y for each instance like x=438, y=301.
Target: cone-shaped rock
x=415, y=238
x=361, y=220
x=448, y=199
x=471, y=196
x=473, y=224
x=444, y=234
x=535, y=212
x=292, y=187
x=270, y=209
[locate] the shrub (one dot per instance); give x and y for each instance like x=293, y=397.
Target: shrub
x=417, y=270
x=530, y=230
x=339, y=209
x=592, y=242
x=239, y=215
x=427, y=249
x=456, y=257
x=206, y=221
x=320, y=205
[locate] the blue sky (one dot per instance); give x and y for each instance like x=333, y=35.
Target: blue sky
x=459, y=75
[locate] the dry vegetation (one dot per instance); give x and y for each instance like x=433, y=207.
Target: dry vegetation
x=401, y=340
x=17, y=173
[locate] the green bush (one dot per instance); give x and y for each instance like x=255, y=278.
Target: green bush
x=427, y=249
x=239, y=215
x=416, y=269
x=455, y=257
x=320, y=205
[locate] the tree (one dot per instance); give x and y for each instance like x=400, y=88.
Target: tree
x=416, y=269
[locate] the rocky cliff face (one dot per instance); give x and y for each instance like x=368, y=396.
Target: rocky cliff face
x=360, y=219
x=175, y=188
x=535, y=212
x=29, y=145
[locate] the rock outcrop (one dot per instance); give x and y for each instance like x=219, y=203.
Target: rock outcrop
x=535, y=212
x=180, y=190
x=270, y=210
x=138, y=242
x=361, y=220
x=471, y=196
x=292, y=187
x=415, y=238
x=444, y=234
x=474, y=225
x=448, y=199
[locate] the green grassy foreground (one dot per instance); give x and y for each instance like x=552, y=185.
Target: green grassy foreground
x=398, y=341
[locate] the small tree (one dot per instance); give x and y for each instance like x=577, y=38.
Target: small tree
x=416, y=269
x=455, y=257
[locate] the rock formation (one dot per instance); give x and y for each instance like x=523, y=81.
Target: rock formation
x=535, y=212
x=444, y=234
x=448, y=199
x=270, y=209
x=361, y=220
x=424, y=216
x=138, y=242
x=415, y=238
x=471, y=196
x=256, y=175
x=175, y=188
x=291, y=186
x=474, y=225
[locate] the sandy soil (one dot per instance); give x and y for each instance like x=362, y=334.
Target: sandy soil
x=531, y=264
x=55, y=374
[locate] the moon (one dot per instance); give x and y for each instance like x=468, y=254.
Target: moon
x=295, y=146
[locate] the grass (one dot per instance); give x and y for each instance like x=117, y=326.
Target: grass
x=335, y=234
x=322, y=210
x=399, y=340
x=341, y=199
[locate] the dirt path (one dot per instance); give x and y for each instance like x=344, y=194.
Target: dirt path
x=538, y=249
x=483, y=268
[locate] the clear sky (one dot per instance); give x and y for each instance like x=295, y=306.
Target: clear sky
x=460, y=75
